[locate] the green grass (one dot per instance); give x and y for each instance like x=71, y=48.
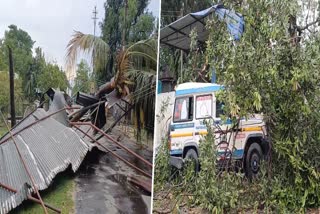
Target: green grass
x=58, y=195
x=3, y=129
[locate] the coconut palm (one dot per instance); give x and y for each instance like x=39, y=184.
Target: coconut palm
x=135, y=70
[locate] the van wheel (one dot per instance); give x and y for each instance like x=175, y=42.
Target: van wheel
x=253, y=159
x=192, y=156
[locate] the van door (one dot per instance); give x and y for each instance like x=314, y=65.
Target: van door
x=203, y=111
x=182, y=127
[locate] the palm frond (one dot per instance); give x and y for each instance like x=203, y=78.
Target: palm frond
x=143, y=54
x=87, y=44
x=144, y=87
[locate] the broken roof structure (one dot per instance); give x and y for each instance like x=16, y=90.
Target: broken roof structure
x=34, y=151
x=47, y=147
x=177, y=33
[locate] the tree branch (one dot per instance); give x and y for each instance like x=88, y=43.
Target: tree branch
x=300, y=29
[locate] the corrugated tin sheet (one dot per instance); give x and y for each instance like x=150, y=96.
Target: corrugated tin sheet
x=58, y=102
x=47, y=147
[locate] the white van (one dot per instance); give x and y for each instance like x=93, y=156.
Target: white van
x=196, y=102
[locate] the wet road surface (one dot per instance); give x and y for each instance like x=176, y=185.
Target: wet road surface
x=102, y=182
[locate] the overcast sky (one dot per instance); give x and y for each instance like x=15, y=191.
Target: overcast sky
x=51, y=22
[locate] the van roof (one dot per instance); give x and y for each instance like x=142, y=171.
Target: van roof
x=197, y=87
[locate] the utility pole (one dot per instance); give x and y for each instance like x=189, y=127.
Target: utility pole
x=181, y=51
x=11, y=78
x=124, y=24
x=94, y=12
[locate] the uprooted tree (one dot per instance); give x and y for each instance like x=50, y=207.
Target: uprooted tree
x=135, y=73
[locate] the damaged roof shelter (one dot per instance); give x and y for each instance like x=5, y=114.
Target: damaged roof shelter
x=37, y=149
x=177, y=34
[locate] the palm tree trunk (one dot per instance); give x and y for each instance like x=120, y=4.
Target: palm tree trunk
x=106, y=88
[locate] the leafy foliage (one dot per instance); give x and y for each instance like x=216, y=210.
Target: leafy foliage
x=21, y=44
x=135, y=72
x=82, y=80
x=143, y=28
x=281, y=76
x=33, y=71
x=52, y=77
x=38, y=65
x=5, y=92
x=139, y=26
x=88, y=44
x=273, y=69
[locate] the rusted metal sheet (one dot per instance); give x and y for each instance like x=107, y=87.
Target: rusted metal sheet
x=48, y=147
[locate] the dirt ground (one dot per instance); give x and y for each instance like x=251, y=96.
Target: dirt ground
x=164, y=202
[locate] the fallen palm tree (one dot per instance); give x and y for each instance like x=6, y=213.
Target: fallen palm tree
x=134, y=77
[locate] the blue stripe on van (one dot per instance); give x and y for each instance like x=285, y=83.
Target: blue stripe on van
x=199, y=90
x=183, y=126
x=176, y=152
x=201, y=127
x=227, y=122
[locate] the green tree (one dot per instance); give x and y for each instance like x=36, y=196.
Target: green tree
x=21, y=44
x=37, y=67
x=52, y=77
x=82, y=80
x=143, y=28
x=5, y=91
x=274, y=69
x=112, y=28
x=3, y=65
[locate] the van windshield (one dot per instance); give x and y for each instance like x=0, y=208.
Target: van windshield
x=183, y=109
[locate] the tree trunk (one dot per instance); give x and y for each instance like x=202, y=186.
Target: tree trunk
x=106, y=88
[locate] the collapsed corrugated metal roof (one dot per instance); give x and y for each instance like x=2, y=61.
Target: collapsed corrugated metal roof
x=47, y=147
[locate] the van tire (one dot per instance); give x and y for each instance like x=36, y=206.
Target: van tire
x=193, y=156
x=253, y=160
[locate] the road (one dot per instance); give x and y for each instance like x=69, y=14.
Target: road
x=102, y=185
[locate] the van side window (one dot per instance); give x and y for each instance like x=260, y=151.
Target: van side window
x=183, y=109
x=204, y=106
x=219, y=108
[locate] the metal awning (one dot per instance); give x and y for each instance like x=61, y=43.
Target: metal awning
x=176, y=34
